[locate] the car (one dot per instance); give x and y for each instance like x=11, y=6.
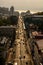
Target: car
x=9, y=63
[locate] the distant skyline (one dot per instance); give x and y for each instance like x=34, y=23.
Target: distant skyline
x=33, y=5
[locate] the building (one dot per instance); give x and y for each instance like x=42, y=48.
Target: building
x=8, y=31
x=4, y=10
x=12, y=10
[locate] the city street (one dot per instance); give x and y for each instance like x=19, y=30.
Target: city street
x=22, y=57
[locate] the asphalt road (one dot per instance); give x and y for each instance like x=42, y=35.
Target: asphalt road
x=22, y=58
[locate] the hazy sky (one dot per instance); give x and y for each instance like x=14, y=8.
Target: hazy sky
x=23, y=4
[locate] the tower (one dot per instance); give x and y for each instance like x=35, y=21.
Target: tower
x=12, y=10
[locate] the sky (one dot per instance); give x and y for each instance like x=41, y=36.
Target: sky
x=33, y=5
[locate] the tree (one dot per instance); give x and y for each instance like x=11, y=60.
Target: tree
x=2, y=61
